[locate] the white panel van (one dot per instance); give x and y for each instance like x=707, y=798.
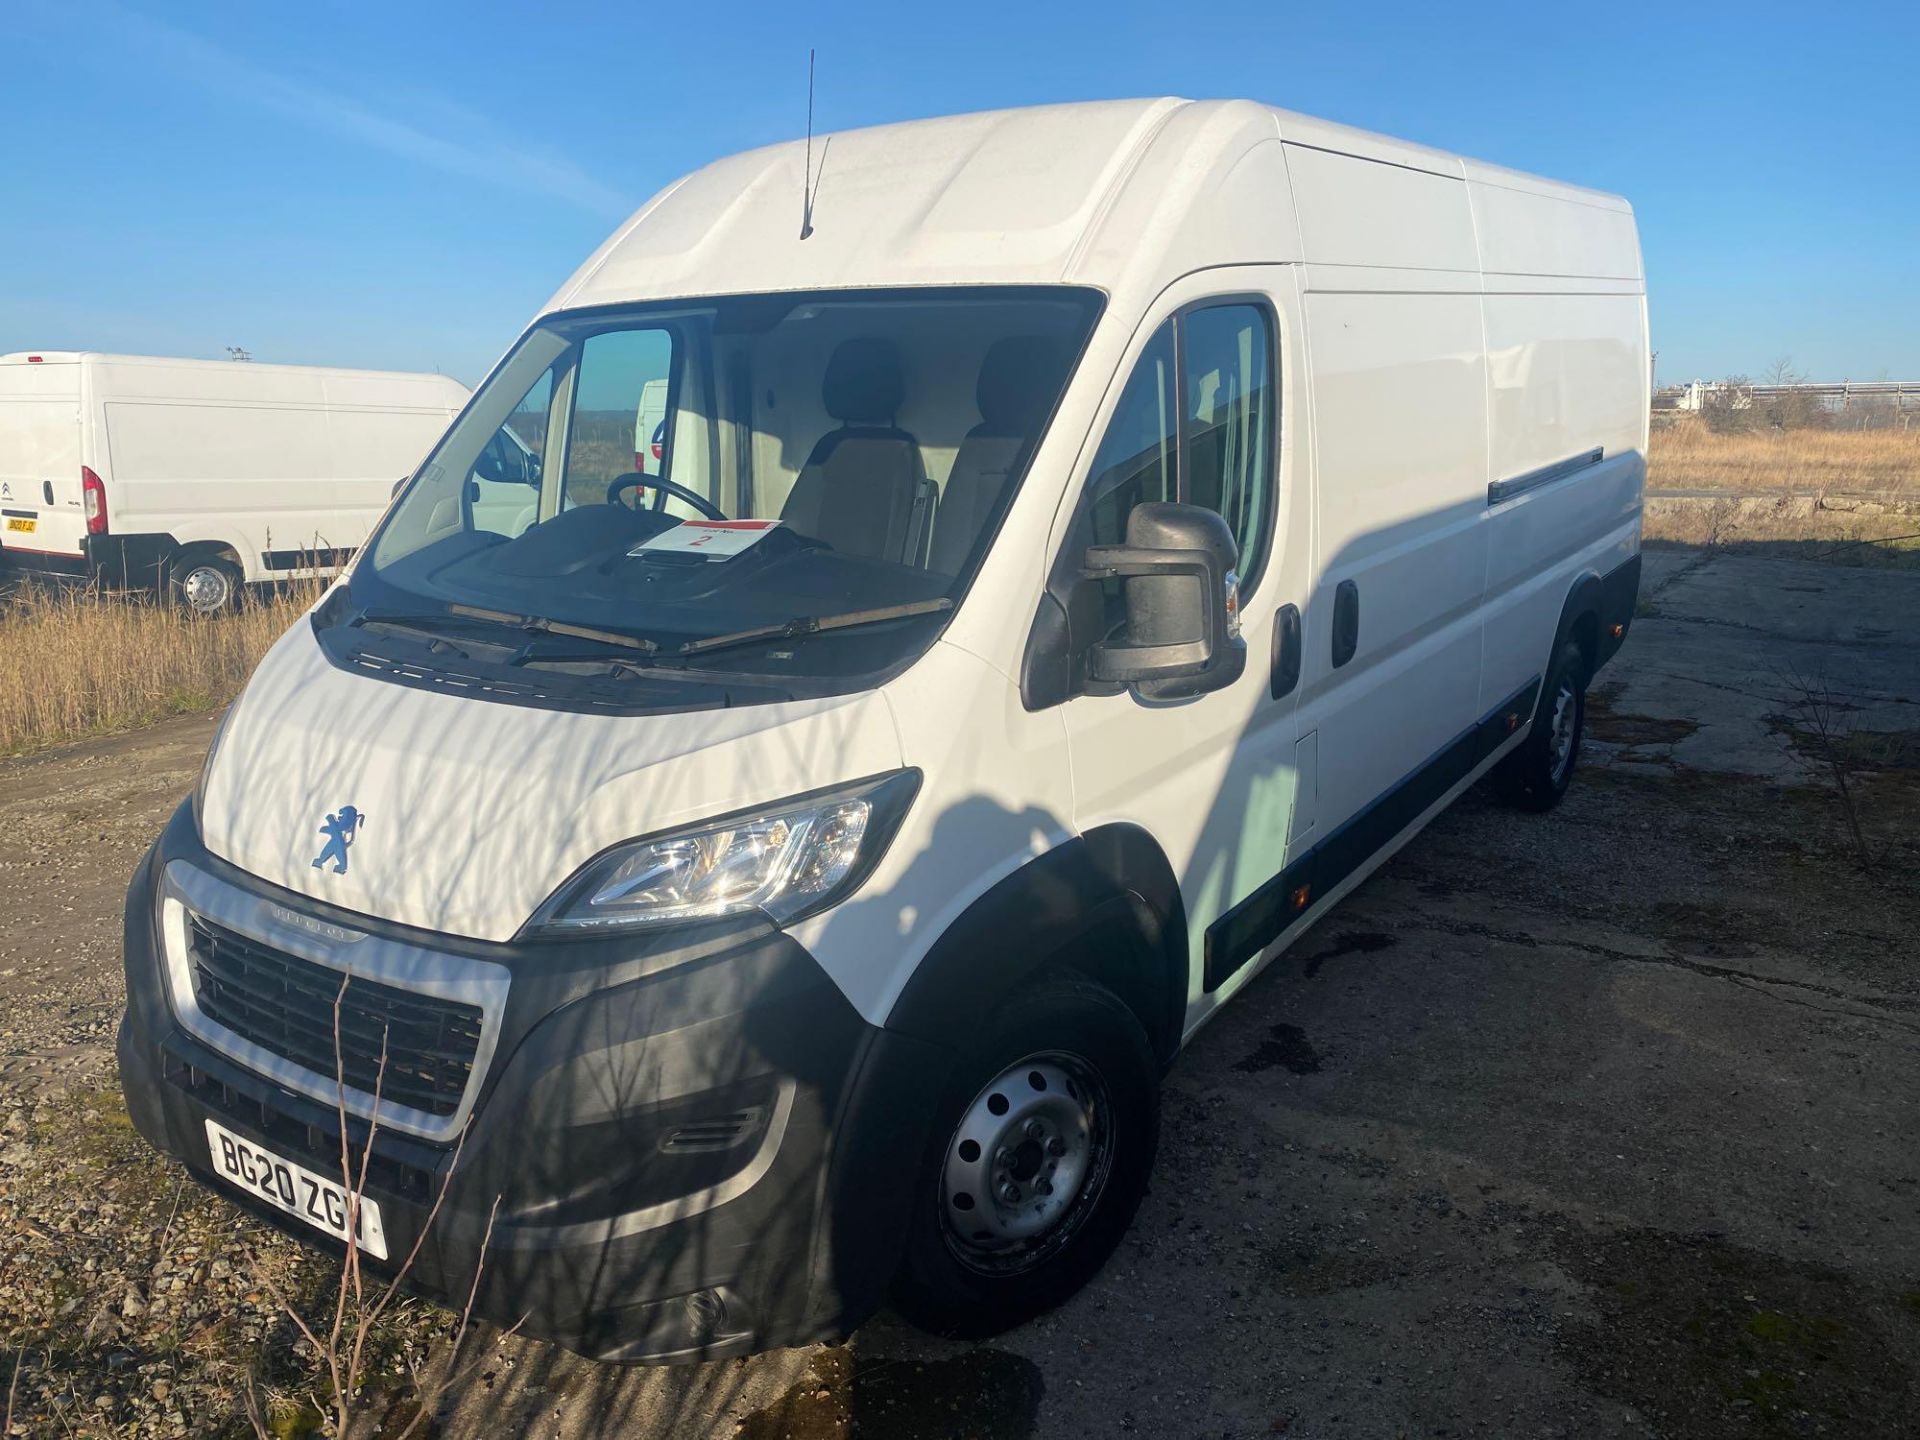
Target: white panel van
x=779, y=877
x=197, y=476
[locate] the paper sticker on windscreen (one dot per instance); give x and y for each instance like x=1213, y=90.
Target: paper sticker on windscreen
x=709, y=539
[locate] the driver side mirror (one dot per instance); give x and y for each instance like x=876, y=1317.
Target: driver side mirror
x=1182, y=595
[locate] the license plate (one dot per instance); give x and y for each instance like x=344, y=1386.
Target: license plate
x=20, y=525
x=293, y=1188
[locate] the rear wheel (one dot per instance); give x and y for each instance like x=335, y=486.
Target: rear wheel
x=1537, y=774
x=206, y=584
x=1047, y=1138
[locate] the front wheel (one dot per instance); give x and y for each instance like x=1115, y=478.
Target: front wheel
x=1536, y=775
x=1048, y=1135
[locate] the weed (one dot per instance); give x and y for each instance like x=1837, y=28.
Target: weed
x=76, y=662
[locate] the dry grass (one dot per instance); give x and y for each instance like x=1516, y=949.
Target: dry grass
x=76, y=663
x=1690, y=455
x=1789, y=531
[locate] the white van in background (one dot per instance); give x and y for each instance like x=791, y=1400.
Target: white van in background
x=196, y=476
x=650, y=428
x=1108, y=534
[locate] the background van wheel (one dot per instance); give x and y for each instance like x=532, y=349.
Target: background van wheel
x=1537, y=774
x=206, y=584
x=1041, y=1154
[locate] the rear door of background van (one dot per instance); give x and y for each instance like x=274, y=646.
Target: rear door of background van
x=40, y=501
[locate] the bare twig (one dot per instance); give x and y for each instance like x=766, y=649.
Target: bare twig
x=13, y=1386
x=454, y=1372
x=1870, y=540
x=250, y=1397
x=340, y=1353
x=179, y=1184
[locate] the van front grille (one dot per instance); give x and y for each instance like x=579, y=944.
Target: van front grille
x=285, y=1005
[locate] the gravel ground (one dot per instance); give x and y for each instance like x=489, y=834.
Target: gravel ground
x=1601, y=1123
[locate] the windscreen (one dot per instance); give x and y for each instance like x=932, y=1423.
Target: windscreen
x=829, y=468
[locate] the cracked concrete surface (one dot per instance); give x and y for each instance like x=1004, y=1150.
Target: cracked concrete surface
x=1599, y=1123
x=1726, y=642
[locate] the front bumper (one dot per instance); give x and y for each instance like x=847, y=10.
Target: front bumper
x=696, y=1146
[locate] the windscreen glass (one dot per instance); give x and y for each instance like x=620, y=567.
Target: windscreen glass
x=824, y=469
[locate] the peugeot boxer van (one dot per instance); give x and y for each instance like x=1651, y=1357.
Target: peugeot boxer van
x=196, y=477
x=778, y=883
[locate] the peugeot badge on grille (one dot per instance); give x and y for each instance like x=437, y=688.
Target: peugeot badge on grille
x=340, y=829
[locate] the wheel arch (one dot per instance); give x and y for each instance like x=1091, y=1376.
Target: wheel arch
x=1105, y=905
x=190, y=550
x=1580, y=618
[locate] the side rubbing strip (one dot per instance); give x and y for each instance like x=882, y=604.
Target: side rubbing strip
x=1503, y=490
x=1257, y=921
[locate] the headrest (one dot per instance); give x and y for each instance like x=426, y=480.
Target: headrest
x=863, y=384
x=1018, y=382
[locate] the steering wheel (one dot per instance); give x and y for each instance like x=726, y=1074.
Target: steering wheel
x=662, y=487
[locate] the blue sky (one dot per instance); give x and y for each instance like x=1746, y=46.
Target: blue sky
x=404, y=184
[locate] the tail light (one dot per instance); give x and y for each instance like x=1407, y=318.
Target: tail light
x=93, y=499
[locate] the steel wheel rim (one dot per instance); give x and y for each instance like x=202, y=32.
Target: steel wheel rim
x=1018, y=1183
x=1566, y=712
x=206, y=589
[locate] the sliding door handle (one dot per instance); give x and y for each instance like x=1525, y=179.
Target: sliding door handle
x=1286, y=651
x=1346, y=622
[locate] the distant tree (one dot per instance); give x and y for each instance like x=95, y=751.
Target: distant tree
x=1792, y=412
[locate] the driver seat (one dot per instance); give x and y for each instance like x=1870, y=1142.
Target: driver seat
x=864, y=489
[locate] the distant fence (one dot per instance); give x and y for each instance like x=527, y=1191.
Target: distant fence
x=1831, y=395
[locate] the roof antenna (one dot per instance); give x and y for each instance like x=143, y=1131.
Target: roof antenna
x=806, y=181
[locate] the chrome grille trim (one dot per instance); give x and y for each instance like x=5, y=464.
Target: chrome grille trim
x=185, y=889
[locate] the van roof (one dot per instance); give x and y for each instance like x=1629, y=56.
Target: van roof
x=1104, y=193
x=73, y=357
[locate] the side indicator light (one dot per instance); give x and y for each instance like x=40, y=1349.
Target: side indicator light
x=1513, y=720
x=1618, y=631
x=1301, y=895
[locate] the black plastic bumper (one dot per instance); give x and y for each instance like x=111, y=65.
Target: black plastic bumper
x=1619, y=597
x=121, y=562
x=697, y=1147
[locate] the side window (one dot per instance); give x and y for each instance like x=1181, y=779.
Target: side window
x=1135, y=463
x=619, y=409
x=1214, y=446
x=503, y=489
x=1227, y=423
x=526, y=427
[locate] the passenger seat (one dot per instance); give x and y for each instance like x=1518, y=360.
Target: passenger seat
x=864, y=489
x=1018, y=380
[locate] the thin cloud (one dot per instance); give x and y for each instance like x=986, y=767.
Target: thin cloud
x=475, y=154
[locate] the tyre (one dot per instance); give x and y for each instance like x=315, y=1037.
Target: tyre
x=1043, y=1148
x=206, y=584
x=1537, y=774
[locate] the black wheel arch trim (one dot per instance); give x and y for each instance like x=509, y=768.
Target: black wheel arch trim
x=1105, y=903
x=1607, y=601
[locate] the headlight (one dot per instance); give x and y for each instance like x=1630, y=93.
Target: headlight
x=785, y=861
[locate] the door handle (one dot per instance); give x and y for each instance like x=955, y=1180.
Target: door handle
x=1346, y=622
x=1286, y=651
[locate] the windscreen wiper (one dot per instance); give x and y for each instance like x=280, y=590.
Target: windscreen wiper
x=540, y=625
x=528, y=624
x=813, y=625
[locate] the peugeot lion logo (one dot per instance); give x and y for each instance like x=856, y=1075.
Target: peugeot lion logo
x=340, y=830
